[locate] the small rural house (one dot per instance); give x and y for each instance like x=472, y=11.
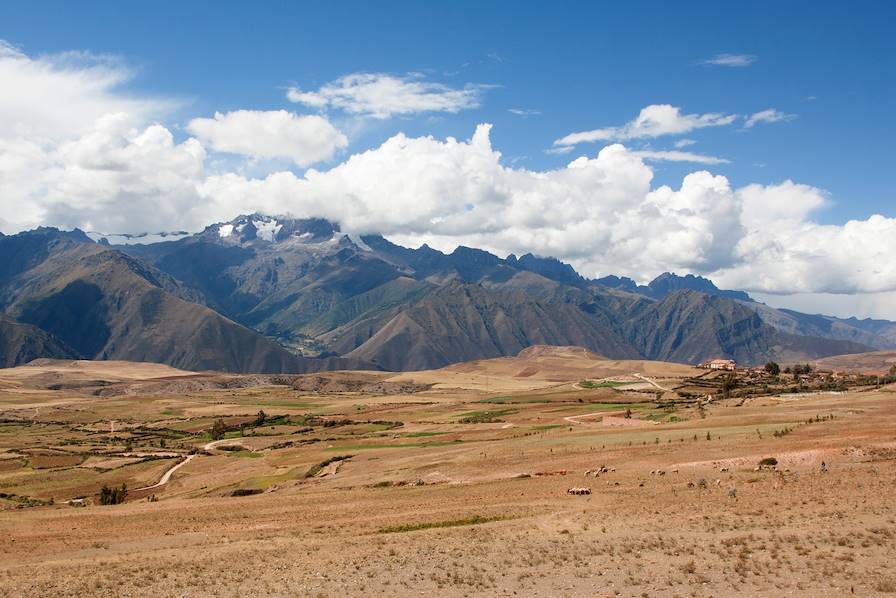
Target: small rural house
x=719, y=364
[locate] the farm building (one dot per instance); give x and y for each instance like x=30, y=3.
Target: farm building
x=719, y=364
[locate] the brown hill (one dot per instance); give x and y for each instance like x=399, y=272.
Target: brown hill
x=543, y=367
x=878, y=362
x=21, y=343
x=107, y=305
x=689, y=326
x=462, y=322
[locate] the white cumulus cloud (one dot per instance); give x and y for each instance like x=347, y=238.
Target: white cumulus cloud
x=381, y=95
x=113, y=178
x=270, y=134
x=53, y=97
x=653, y=121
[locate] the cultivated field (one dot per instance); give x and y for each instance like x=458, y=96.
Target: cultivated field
x=451, y=482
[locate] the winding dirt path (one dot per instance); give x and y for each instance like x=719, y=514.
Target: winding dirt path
x=648, y=380
x=166, y=477
x=574, y=419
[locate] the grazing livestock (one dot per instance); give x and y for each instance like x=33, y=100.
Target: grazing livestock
x=579, y=491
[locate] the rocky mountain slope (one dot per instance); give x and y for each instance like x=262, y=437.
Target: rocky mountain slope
x=309, y=286
x=21, y=343
x=267, y=294
x=105, y=304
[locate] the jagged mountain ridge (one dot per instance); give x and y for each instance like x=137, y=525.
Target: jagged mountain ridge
x=200, y=302
x=304, y=281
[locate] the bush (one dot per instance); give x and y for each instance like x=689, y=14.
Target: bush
x=316, y=469
x=218, y=430
x=246, y=491
x=113, y=496
x=768, y=462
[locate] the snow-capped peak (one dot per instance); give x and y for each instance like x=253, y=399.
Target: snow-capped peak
x=266, y=228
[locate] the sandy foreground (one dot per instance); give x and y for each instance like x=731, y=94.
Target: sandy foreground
x=466, y=496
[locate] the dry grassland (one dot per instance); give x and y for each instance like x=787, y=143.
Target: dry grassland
x=449, y=483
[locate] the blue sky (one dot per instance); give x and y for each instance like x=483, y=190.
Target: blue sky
x=112, y=126
x=581, y=65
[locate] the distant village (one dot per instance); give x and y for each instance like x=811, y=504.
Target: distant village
x=771, y=378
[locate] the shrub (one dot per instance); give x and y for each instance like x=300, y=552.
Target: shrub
x=246, y=491
x=218, y=429
x=768, y=462
x=316, y=469
x=113, y=496
x=412, y=527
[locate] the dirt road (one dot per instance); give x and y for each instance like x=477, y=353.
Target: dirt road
x=649, y=381
x=167, y=476
x=574, y=419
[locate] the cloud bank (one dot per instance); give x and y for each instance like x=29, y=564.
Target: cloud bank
x=270, y=134
x=115, y=171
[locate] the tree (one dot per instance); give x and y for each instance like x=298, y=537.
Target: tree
x=802, y=369
x=729, y=382
x=772, y=368
x=113, y=496
x=219, y=429
x=260, y=418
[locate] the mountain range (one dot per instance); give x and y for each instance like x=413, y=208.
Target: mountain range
x=267, y=294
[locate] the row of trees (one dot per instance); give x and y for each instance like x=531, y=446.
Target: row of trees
x=219, y=428
x=773, y=369
x=113, y=496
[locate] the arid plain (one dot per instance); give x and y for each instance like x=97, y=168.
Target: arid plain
x=447, y=482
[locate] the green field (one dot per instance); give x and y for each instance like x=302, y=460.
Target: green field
x=604, y=383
